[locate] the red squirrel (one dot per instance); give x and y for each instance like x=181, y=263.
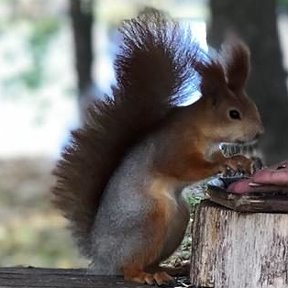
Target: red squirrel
x=119, y=181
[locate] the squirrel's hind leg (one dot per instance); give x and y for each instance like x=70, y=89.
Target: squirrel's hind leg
x=135, y=269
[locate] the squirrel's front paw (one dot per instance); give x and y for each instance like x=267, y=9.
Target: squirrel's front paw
x=159, y=278
x=240, y=164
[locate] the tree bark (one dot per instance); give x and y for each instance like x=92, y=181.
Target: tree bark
x=256, y=23
x=81, y=12
x=231, y=249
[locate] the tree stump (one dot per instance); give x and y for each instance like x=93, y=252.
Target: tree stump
x=238, y=250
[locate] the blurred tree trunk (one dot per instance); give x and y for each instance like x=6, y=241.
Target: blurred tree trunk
x=81, y=12
x=255, y=22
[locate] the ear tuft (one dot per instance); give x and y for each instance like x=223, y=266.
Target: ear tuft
x=212, y=78
x=236, y=57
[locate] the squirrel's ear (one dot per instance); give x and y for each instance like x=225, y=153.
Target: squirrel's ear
x=236, y=56
x=212, y=80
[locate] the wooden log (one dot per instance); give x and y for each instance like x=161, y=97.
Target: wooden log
x=238, y=250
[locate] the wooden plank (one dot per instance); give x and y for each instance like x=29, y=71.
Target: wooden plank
x=30, y=277
x=58, y=278
x=232, y=249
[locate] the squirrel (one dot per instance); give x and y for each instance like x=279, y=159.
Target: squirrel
x=119, y=181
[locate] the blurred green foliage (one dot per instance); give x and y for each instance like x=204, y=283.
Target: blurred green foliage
x=31, y=231
x=42, y=33
x=38, y=242
x=283, y=2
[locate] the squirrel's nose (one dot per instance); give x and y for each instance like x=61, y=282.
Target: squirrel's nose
x=261, y=130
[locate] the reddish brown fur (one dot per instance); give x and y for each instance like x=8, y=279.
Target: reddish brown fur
x=144, y=96
x=236, y=58
x=157, y=222
x=212, y=78
x=182, y=155
x=153, y=69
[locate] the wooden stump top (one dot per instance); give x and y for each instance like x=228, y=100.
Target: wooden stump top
x=268, y=202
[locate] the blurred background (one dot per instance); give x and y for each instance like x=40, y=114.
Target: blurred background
x=56, y=56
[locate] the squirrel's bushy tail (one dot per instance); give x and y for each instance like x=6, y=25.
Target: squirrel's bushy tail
x=153, y=70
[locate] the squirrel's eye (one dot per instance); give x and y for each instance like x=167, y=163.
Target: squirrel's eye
x=234, y=114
